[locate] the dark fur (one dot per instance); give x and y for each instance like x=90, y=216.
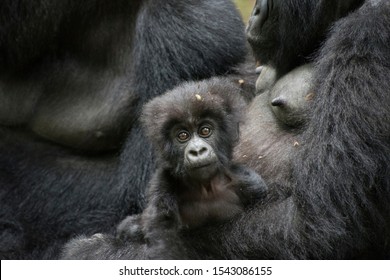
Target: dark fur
x=332, y=200
x=73, y=78
x=329, y=177
x=294, y=30
x=177, y=196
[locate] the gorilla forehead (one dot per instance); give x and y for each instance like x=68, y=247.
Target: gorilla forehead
x=215, y=98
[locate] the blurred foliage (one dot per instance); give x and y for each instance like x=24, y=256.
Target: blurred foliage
x=245, y=7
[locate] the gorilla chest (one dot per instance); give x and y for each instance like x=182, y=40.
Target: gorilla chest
x=213, y=202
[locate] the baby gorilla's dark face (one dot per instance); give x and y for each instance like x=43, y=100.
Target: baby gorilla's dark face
x=195, y=141
x=194, y=128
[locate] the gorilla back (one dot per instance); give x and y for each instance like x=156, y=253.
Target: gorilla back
x=73, y=79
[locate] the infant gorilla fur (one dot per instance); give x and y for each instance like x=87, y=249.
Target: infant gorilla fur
x=193, y=129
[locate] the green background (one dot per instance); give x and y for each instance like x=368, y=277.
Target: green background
x=245, y=7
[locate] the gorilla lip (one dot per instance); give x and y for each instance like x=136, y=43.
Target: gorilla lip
x=201, y=166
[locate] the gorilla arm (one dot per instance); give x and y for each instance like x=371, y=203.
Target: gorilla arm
x=86, y=74
x=79, y=95
x=231, y=240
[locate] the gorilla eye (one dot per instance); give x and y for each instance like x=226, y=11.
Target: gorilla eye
x=205, y=131
x=183, y=136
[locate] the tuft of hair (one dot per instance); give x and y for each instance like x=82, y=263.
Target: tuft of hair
x=215, y=98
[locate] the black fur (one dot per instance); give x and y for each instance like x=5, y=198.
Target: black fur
x=331, y=188
x=73, y=78
x=183, y=194
x=328, y=177
x=178, y=195
x=294, y=30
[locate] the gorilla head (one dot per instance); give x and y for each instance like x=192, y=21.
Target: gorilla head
x=285, y=34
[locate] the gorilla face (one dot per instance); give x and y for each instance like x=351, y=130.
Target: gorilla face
x=195, y=146
x=262, y=30
x=284, y=34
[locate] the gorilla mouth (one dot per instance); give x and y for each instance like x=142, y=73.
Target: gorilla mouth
x=211, y=163
x=204, y=168
x=201, y=166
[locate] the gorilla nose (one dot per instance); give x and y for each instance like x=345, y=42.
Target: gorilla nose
x=259, y=15
x=198, y=155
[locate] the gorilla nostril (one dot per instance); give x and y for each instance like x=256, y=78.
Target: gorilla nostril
x=203, y=151
x=199, y=152
x=278, y=102
x=193, y=153
x=256, y=12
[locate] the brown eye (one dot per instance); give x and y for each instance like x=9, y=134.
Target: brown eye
x=183, y=136
x=205, y=131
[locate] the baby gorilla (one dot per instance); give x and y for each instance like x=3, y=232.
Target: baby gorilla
x=193, y=129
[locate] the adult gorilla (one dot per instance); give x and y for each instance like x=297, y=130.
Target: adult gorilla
x=73, y=77
x=328, y=171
